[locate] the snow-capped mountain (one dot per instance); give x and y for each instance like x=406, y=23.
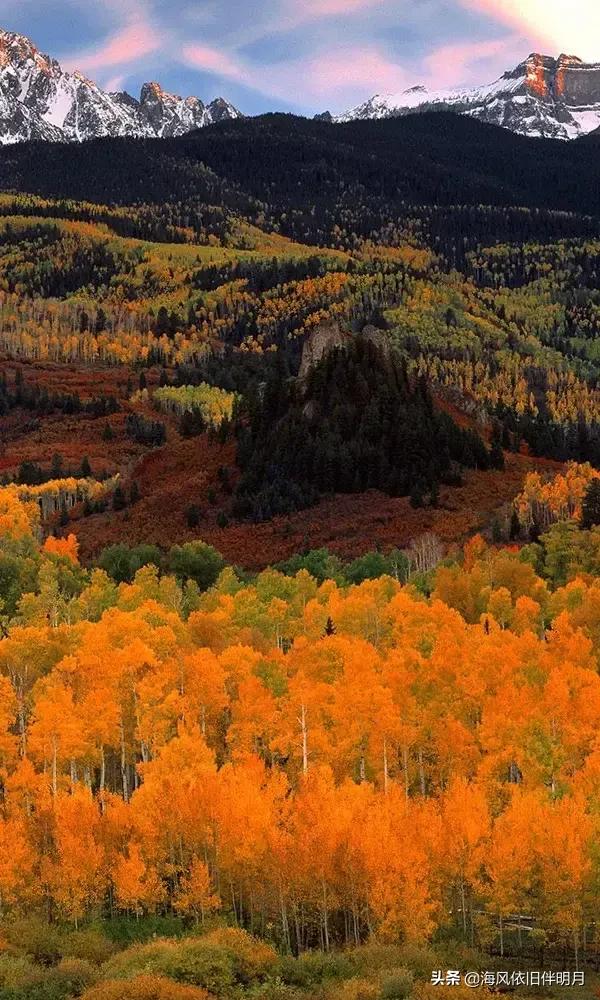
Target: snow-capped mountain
x=542, y=96
x=40, y=100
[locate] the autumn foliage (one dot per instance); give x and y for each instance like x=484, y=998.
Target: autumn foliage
x=544, y=500
x=331, y=763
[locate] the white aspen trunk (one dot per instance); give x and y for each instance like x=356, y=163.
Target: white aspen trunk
x=385, y=767
x=421, y=772
x=102, y=778
x=405, y=769
x=54, y=769
x=124, y=777
x=304, y=731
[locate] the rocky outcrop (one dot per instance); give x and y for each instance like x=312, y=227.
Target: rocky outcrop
x=322, y=340
x=326, y=337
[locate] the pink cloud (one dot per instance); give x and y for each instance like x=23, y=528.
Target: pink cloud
x=468, y=63
x=296, y=13
x=354, y=68
x=216, y=61
x=331, y=8
x=132, y=42
x=344, y=74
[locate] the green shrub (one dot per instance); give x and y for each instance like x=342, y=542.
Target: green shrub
x=381, y=958
x=272, y=989
x=35, y=937
x=396, y=984
x=421, y=960
x=15, y=970
x=375, y=957
x=312, y=968
x=89, y=944
x=196, y=561
x=122, y=562
x=139, y=958
x=150, y=957
x=76, y=973
x=122, y=931
x=251, y=958
x=20, y=979
x=200, y=965
x=187, y=961
x=218, y=961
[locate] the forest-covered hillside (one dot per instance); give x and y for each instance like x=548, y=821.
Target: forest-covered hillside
x=312, y=179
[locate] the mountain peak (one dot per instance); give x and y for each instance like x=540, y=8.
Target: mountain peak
x=40, y=100
x=16, y=50
x=220, y=110
x=152, y=91
x=566, y=60
x=13, y=40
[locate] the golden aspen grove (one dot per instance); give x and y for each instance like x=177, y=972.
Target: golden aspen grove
x=323, y=765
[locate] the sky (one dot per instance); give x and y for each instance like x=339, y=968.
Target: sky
x=302, y=56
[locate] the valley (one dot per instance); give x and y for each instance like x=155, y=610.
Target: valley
x=299, y=560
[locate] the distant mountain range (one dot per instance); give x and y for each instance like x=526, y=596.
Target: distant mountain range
x=542, y=96
x=40, y=100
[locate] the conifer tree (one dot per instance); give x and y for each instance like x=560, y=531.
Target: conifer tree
x=590, y=508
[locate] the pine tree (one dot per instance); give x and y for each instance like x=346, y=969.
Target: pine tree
x=496, y=456
x=416, y=495
x=100, y=320
x=515, y=526
x=192, y=516
x=56, y=469
x=590, y=508
x=330, y=628
x=191, y=423
x=119, y=499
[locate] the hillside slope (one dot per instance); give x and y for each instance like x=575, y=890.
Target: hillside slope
x=289, y=163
